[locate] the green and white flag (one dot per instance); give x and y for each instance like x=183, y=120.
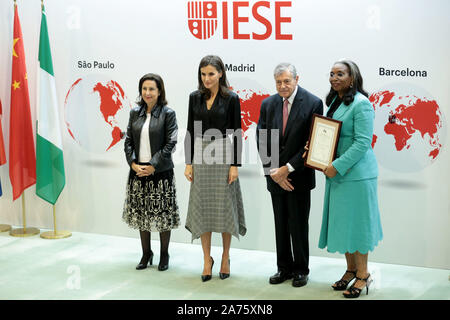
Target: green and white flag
x=50, y=178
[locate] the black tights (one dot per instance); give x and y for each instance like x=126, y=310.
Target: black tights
x=164, y=238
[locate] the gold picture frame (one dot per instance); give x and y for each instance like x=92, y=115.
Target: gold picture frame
x=323, y=142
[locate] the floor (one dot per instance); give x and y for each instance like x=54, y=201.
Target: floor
x=93, y=266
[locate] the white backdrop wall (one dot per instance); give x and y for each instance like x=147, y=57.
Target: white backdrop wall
x=137, y=37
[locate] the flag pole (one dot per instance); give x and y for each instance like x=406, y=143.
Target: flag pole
x=54, y=220
x=24, y=218
x=24, y=232
x=55, y=234
x=5, y=227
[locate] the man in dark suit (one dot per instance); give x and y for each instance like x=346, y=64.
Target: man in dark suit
x=289, y=182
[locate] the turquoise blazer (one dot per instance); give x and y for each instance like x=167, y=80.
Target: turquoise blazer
x=355, y=159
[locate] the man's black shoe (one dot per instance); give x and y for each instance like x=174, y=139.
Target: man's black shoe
x=299, y=280
x=280, y=277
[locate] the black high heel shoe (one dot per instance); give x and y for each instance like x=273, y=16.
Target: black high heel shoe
x=355, y=292
x=146, y=259
x=342, y=284
x=223, y=276
x=163, y=262
x=208, y=276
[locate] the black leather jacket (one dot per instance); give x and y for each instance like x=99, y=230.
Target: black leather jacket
x=163, y=131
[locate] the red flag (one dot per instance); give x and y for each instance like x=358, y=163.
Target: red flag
x=22, y=157
x=2, y=145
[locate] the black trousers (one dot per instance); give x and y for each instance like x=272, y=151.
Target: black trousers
x=291, y=211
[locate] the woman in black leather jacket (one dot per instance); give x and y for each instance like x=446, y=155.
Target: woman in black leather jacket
x=150, y=203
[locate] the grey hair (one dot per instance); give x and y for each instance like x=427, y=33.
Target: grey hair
x=285, y=66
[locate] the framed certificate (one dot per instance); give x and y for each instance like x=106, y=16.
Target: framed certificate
x=323, y=142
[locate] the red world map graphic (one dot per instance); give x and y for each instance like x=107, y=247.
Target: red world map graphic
x=412, y=115
x=110, y=105
x=250, y=107
x=92, y=112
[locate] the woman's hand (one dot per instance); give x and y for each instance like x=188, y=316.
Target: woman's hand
x=307, y=149
x=189, y=173
x=142, y=171
x=136, y=167
x=148, y=170
x=232, y=174
x=330, y=171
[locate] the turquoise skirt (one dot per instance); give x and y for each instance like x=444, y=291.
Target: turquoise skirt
x=351, y=218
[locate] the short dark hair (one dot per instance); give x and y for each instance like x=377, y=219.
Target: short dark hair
x=217, y=63
x=357, y=85
x=159, y=84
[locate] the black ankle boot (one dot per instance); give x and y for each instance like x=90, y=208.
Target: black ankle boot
x=163, y=262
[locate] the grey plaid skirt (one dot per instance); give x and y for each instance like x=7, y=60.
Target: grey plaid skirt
x=214, y=205
x=151, y=203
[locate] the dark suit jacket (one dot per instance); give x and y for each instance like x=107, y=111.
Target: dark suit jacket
x=163, y=131
x=290, y=147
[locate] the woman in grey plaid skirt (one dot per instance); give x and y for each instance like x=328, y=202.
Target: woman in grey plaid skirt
x=151, y=203
x=212, y=161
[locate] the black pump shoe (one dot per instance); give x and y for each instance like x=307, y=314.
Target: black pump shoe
x=208, y=276
x=146, y=260
x=163, y=262
x=223, y=276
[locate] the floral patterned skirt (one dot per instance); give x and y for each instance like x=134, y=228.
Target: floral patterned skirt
x=151, y=204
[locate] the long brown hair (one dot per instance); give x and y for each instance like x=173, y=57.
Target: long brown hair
x=217, y=63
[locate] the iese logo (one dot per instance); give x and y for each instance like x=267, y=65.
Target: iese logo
x=203, y=16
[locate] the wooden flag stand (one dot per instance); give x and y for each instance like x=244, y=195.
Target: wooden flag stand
x=55, y=234
x=24, y=232
x=5, y=227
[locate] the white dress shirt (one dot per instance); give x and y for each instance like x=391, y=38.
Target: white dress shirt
x=145, y=152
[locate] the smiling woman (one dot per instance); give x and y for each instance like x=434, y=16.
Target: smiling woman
x=151, y=203
x=150, y=94
x=215, y=199
x=351, y=219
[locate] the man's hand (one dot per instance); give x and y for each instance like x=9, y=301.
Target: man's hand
x=279, y=174
x=286, y=184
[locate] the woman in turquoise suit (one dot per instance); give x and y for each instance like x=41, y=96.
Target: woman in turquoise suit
x=351, y=218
